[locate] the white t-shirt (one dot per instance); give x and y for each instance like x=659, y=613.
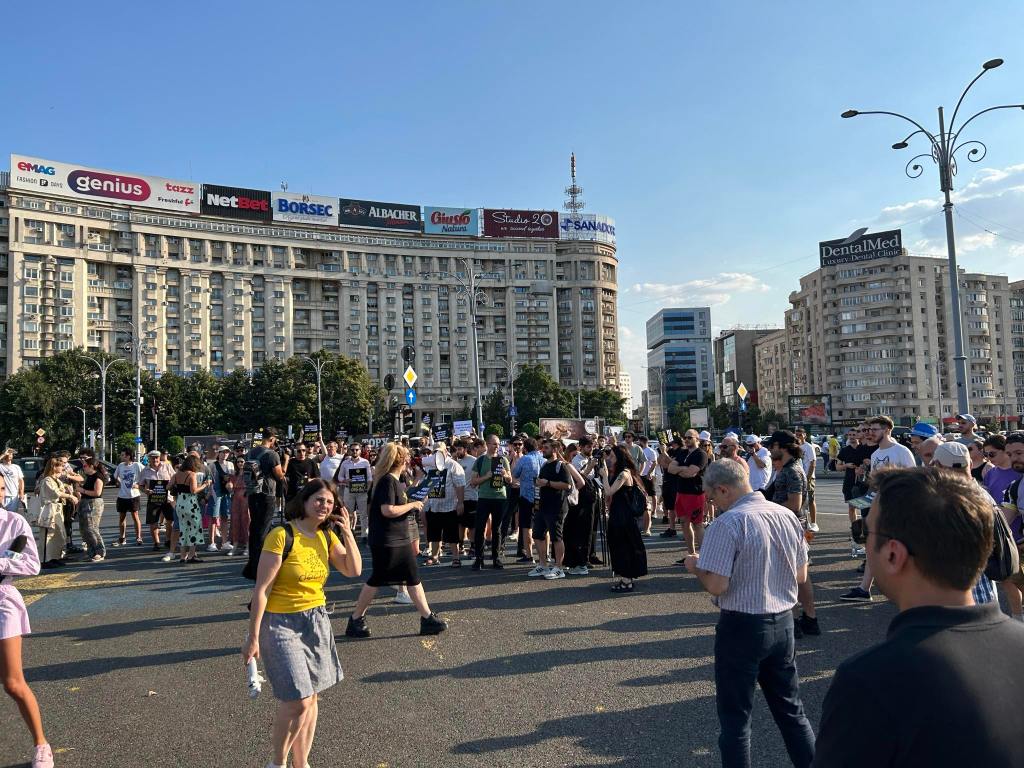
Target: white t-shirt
x=349, y=464
x=650, y=461
x=895, y=455
x=128, y=475
x=329, y=466
x=11, y=474
x=760, y=477
x=810, y=458
x=472, y=492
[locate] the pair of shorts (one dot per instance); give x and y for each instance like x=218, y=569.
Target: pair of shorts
x=548, y=522
x=444, y=527
x=525, y=513
x=127, y=506
x=393, y=566
x=156, y=512
x=810, y=489
x=690, y=506
x=468, y=517
x=648, y=485
x=298, y=653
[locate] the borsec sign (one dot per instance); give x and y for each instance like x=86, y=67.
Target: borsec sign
x=305, y=209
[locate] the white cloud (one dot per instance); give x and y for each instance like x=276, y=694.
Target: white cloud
x=701, y=292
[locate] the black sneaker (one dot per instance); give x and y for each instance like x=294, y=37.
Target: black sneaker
x=664, y=519
x=668, y=533
x=808, y=625
x=478, y=564
x=524, y=559
x=595, y=561
x=357, y=627
x=157, y=547
x=74, y=549
x=432, y=625
x=497, y=565
x=856, y=595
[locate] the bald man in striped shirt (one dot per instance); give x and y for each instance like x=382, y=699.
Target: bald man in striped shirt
x=752, y=559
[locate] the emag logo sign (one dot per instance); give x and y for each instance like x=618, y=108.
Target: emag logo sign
x=77, y=181
x=236, y=202
x=305, y=209
x=451, y=221
x=879, y=245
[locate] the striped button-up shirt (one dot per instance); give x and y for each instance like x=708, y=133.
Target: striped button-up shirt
x=758, y=545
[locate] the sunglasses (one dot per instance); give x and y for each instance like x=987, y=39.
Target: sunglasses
x=991, y=454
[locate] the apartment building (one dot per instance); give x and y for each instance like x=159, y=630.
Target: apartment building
x=773, y=371
x=874, y=335
x=734, y=364
x=209, y=291
x=679, y=360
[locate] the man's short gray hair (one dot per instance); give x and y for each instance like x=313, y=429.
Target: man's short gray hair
x=725, y=472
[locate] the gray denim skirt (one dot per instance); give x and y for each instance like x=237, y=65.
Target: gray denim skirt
x=298, y=653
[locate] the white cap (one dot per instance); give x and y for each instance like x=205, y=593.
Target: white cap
x=952, y=455
x=704, y=435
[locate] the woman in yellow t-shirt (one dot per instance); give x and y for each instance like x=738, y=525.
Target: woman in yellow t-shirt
x=288, y=623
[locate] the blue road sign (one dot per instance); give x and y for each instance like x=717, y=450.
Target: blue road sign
x=512, y=412
x=410, y=396
x=743, y=405
x=138, y=441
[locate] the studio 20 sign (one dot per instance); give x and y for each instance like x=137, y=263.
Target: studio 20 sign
x=49, y=176
x=514, y=223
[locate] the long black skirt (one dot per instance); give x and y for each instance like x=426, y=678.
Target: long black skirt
x=625, y=544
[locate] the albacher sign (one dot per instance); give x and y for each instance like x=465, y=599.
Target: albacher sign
x=368, y=213
x=586, y=226
x=33, y=174
x=306, y=209
x=877, y=245
x=451, y=221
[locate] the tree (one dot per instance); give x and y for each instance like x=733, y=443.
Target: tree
x=495, y=410
x=602, y=403
x=494, y=429
x=530, y=428
x=175, y=444
x=538, y=396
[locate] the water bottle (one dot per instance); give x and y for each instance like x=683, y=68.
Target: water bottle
x=255, y=679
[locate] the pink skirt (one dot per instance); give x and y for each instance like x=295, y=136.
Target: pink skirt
x=13, y=614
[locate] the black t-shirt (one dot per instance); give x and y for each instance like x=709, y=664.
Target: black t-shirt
x=554, y=502
x=268, y=461
x=692, y=486
x=388, y=531
x=299, y=472
x=89, y=484
x=944, y=688
x=849, y=454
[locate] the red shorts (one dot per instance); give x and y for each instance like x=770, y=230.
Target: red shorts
x=690, y=507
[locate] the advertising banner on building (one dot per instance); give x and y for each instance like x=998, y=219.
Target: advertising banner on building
x=513, y=223
x=451, y=221
x=569, y=429
x=586, y=226
x=236, y=202
x=877, y=245
x=810, y=410
x=33, y=174
x=305, y=209
x=368, y=213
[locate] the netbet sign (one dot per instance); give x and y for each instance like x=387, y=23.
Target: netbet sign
x=305, y=209
x=877, y=245
x=236, y=202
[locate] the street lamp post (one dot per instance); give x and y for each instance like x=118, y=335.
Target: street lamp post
x=103, y=366
x=137, y=349
x=318, y=364
x=510, y=366
x=944, y=146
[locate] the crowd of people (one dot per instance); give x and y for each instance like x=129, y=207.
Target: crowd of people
x=744, y=510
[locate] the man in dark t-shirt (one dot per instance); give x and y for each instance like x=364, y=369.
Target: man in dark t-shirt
x=688, y=467
x=554, y=483
x=263, y=500
x=301, y=469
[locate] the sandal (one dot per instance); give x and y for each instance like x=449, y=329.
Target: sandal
x=623, y=587
x=456, y=563
x=432, y=561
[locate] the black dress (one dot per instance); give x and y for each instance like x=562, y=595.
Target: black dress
x=625, y=544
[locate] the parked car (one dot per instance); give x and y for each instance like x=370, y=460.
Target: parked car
x=31, y=467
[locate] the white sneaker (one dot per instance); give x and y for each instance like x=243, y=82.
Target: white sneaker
x=97, y=558
x=539, y=570
x=245, y=552
x=212, y=548
x=227, y=546
x=168, y=557
x=554, y=573
x=813, y=527
x=403, y=598
x=230, y=551
x=579, y=570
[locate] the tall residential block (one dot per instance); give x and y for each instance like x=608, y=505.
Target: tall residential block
x=679, y=360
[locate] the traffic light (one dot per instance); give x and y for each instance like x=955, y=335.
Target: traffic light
x=408, y=421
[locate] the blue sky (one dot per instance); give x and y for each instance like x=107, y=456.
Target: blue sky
x=710, y=132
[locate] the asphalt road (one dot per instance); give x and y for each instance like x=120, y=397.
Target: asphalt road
x=136, y=662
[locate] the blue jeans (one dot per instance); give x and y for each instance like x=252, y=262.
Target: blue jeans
x=758, y=649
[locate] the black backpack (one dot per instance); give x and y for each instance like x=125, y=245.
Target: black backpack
x=252, y=472
x=1004, y=561
x=289, y=542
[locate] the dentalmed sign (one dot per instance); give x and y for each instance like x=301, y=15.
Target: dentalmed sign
x=305, y=209
x=877, y=245
x=33, y=174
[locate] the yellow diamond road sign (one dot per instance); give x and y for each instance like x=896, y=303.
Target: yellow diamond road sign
x=741, y=390
x=410, y=377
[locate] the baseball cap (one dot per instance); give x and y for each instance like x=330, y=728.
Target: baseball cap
x=966, y=417
x=704, y=435
x=952, y=455
x=923, y=430
x=750, y=439
x=223, y=449
x=783, y=438
x=154, y=454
